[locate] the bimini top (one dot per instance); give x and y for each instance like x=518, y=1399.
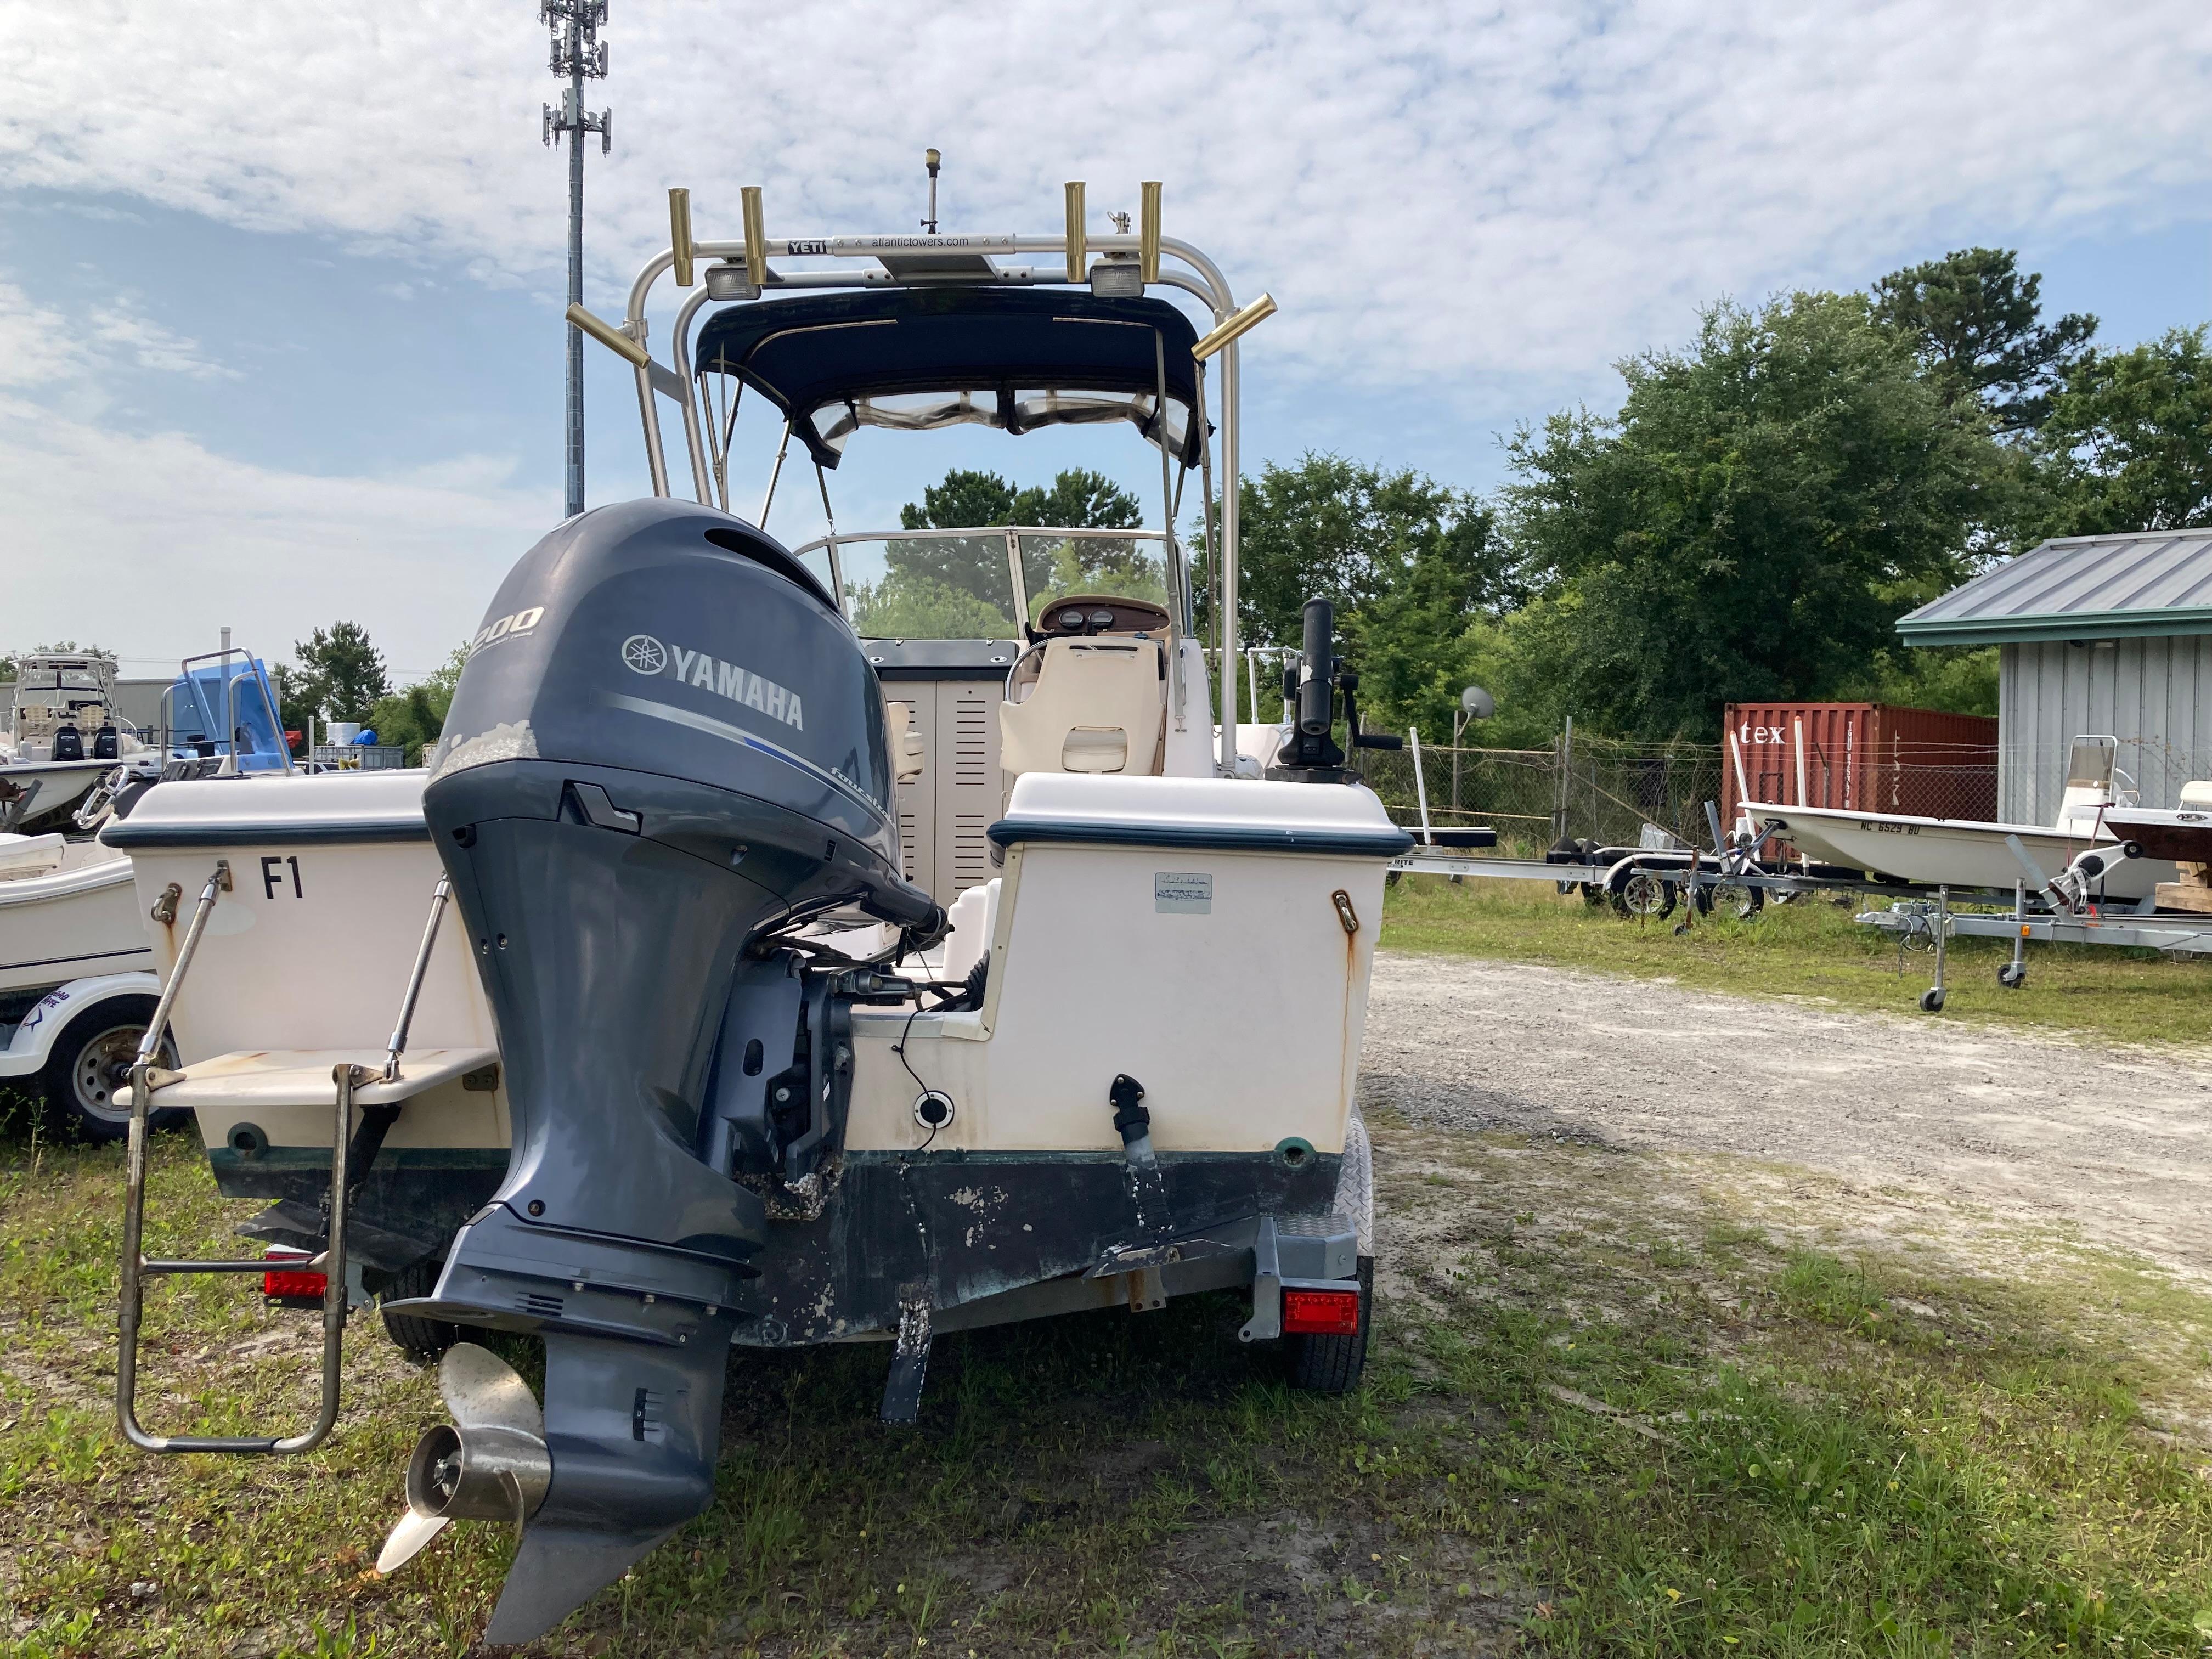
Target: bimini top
x=2132, y=584
x=913, y=359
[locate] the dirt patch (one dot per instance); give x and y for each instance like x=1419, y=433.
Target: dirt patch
x=2114, y=1144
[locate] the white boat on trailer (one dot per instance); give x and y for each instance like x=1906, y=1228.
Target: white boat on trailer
x=1974, y=854
x=77, y=980
x=63, y=734
x=713, y=1054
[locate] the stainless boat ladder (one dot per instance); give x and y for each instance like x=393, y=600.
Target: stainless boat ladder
x=145, y=1078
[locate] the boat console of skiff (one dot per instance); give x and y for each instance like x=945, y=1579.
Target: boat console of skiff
x=858, y=942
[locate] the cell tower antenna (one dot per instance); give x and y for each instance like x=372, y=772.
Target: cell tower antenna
x=578, y=55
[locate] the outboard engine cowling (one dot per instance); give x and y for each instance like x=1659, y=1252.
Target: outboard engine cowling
x=666, y=745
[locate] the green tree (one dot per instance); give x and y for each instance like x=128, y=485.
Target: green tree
x=1750, y=525
x=1348, y=532
x=414, y=716
x=2128, y=445
x=340, y=676
x=1975, y=324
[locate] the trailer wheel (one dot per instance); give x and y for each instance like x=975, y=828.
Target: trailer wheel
x=423, y=1340
x=2012, y=975
x=1738, y=900
x=1333, y=1365
x=84, y=1081
x=1647, y=894
x=1931, y=1001
x=1593, y=895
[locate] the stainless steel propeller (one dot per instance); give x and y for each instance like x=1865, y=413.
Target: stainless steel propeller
x=489, y=1464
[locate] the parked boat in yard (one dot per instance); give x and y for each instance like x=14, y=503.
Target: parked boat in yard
x=758, y=973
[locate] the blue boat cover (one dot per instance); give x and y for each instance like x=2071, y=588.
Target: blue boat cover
x=810, y=352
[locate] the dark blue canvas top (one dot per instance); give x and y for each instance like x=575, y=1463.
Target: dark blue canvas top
x=814, y=350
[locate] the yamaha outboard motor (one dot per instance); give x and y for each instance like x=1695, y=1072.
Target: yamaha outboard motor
x=666, y=748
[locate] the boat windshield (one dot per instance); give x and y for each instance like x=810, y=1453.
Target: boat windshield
x=932, y=585
x=961, y=584
x=1059, y=564
x=2090, y=766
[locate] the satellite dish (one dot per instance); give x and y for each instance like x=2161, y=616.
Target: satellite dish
x=1477, y=703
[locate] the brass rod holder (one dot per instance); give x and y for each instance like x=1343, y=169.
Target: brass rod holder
x=679, y=233
x=609, y=337
x=1148, y=233
x=1076, y=247
x=756, y=236
x=1238, y=323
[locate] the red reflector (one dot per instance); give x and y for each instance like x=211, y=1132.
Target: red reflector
x=1321, y=1313
x=294, y=1284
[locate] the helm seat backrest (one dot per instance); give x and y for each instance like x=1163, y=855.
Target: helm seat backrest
x=1098, y=705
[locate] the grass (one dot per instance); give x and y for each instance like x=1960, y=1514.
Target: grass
x=1618, y=1405
x=1811, y=948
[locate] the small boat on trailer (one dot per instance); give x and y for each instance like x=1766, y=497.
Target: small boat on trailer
x=77, y=986
x=718, y=1047
x=1968, y=853
x=63, y=734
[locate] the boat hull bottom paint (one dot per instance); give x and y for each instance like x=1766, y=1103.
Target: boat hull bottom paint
x=950, y=1230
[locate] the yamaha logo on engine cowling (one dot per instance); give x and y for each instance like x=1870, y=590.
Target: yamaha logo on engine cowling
x=641, y=654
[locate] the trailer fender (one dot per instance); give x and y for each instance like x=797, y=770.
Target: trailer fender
x=33, y=1040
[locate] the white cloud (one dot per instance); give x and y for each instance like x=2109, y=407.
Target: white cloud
x=151, y=544
x=37, y=345
x=122, y=324
x=1435, y=192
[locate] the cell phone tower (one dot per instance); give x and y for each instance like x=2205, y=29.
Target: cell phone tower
x=578, y=55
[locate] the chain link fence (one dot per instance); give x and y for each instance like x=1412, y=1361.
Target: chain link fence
x=1608, y=791
x=1600, y=791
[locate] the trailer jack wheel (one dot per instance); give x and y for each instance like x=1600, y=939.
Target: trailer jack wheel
x=2012, y=975
x=1931, y=1001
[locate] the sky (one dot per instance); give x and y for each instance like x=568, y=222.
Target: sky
x=281, y=286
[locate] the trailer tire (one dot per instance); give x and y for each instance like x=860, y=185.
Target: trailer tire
x=1931, y=1001
x=1738, y=900
x=2012, y=976
x=1334, y=1364
x=1646, y=894
x=422, y=1341
x=82, y=1083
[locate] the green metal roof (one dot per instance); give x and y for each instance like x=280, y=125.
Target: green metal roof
x=2080, y=587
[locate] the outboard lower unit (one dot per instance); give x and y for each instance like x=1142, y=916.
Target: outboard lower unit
x=666, y=749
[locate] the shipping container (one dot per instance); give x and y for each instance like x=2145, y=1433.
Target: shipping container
x=1860, y=756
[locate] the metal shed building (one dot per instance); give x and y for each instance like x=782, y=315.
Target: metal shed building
x=2097, y=634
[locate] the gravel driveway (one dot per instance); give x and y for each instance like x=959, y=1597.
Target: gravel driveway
x=2116, y=1142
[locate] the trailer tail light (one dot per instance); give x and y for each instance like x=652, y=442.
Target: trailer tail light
x=289, y=1285
x=1321, y=1313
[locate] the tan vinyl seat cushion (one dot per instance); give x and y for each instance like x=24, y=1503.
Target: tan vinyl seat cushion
x=1097, y=705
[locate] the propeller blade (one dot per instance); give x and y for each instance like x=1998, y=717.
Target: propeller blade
x=482, y=1390
x=407, y=1540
